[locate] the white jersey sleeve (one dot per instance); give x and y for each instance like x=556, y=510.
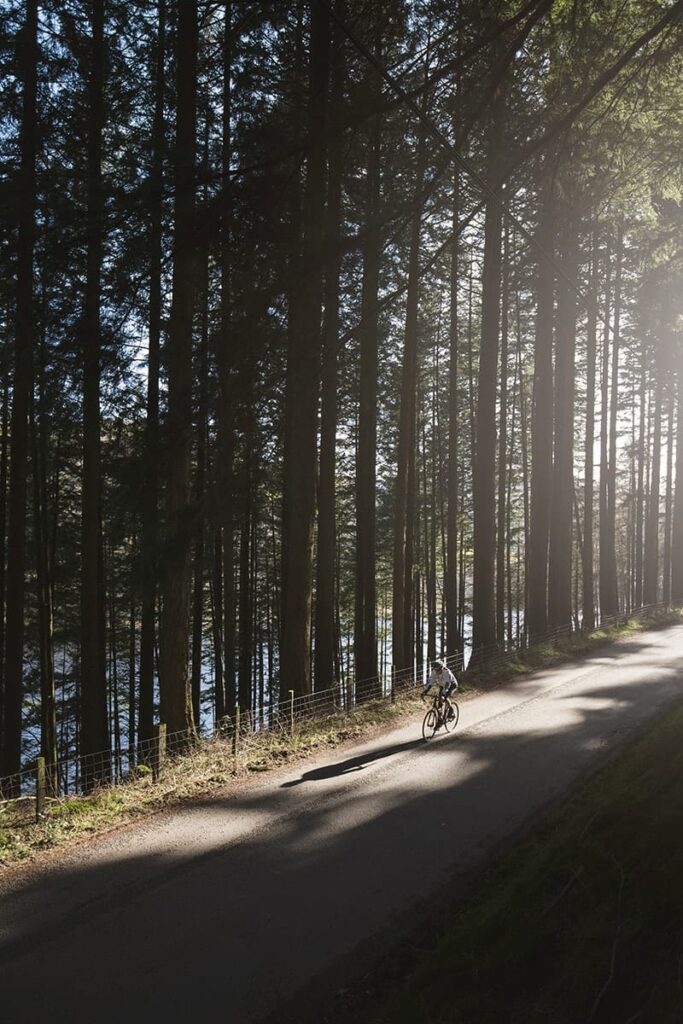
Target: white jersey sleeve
x=433, y=678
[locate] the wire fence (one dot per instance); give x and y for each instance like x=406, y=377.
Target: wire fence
x=32, y=791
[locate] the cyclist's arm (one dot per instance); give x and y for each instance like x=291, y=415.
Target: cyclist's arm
x=430, y=683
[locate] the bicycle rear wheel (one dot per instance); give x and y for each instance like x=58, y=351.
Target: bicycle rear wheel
x=451, y=720
x=430, y=724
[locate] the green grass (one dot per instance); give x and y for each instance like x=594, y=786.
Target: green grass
x=582, y=922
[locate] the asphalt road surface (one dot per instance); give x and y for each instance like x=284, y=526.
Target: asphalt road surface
x=226, y=910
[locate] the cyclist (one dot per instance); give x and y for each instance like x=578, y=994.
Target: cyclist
x=442, y=677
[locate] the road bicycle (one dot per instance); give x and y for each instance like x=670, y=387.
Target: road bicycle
x=443, y=712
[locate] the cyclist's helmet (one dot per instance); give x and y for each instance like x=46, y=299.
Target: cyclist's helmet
x=438, y=665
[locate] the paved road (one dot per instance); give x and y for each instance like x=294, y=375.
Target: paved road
x=224, y=911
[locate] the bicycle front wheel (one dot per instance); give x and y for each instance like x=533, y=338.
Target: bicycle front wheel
x=430, y=724
x=451, y=718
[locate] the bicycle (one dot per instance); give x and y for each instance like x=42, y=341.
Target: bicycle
x=443, y=712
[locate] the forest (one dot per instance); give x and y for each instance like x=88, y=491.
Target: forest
x=336, y=336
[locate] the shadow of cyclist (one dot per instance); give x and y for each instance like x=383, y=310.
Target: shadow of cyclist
x=353, y=764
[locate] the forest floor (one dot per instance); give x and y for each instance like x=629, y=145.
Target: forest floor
x=581, y=921
x=214, y=765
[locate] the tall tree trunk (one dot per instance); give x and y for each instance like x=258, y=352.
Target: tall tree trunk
x=94, y=720
x=541, y=424
x=451, y=576
x=10, y=745
x=430, y=516
x=611, y=586
x=508, y=500
x=605, y=596
x=502, y=445
x=466, y=541
x=132, y=660
x=524, y=445
x=651, y=559
x=439, y=471
x=631, y=514
x=453, y=636
x=484, y=466
x=562, y=500
x=410, y=590
x=325, y=577
x=4, y=453
x=174, y=683
x=666, y=574
x=247, y=606
x=114, y=715
x=259, y=633
x=217, y=625
x=677, y=520
x=365, y=639
x=202, y=375
x=150, y=497
x=404, y=498
x=303, y=384
x=640, y=484
x=246, y=591
x=588, y=600
x=225, y=361
x=48, y=711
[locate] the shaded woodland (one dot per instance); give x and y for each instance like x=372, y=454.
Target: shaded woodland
x=335, y=336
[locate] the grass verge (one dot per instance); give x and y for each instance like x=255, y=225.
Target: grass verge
x=546, y=655
x=582, y=922
x=212, y=765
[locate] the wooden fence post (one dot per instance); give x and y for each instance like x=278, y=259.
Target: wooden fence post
x=393, y=684
x=160, y=752
x=41, y=780
x=291, y=713
x=236, y=731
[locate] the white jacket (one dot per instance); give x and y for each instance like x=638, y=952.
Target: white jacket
x=443, y=679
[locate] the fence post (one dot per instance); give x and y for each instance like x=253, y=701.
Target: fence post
x=160, y=753
x=291, y=713
x=393, y=684
x=236, y=731
x=41, y=779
